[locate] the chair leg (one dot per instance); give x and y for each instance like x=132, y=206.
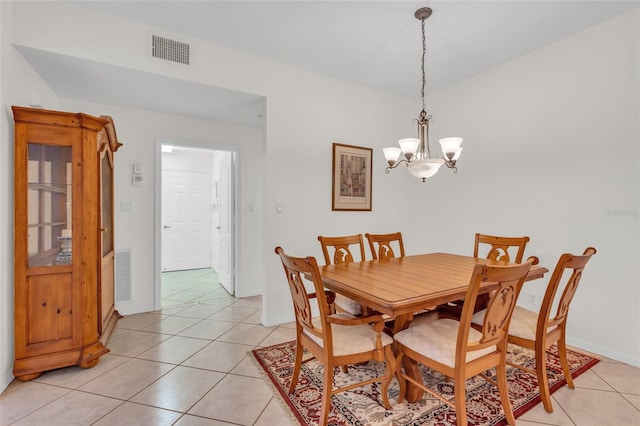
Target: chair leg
x=503, y=388
x=389, y=370
x=564, y=361
x=461, y=403
x=543, y=383
x=402, y=383
x=296, y=367
x=327, y=387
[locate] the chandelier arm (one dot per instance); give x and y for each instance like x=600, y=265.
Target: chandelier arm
x=451, y=165
x=396, y=164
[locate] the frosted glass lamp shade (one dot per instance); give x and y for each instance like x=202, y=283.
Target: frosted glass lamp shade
x=409, y=146
x=425, y=168
x=450, y=145
x=391, y=154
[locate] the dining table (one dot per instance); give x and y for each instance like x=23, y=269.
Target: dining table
x=401, y=286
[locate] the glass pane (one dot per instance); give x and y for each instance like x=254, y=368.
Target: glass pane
x=107, y=206
x=49, y=205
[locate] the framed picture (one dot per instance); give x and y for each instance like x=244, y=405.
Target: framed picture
x=351, y=182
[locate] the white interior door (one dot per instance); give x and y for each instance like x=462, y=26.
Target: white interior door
x=185, y=220
x=226, y=267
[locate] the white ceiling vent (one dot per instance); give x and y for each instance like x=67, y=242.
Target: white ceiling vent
x=169, y=50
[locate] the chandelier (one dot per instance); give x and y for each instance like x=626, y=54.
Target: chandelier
x=416, y=151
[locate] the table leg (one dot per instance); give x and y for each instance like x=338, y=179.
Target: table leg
x=413, y=393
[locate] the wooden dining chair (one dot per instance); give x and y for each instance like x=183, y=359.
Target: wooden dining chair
x=338, y=250
x=458, y=351
x=493, y=247
x=539, y=330
x=381, y=245
x=504, y=249
x=334, y=340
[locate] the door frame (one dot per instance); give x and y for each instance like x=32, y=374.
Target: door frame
x=159, y=141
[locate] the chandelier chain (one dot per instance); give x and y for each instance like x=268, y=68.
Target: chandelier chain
x=417, y=151
x=424, y=52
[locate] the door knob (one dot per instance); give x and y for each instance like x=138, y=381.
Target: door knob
x=166, y=226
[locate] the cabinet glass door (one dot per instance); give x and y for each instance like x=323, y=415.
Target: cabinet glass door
x=49, y=205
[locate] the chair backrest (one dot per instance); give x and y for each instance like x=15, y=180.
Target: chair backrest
x=296, y=268
x=499, y=247
x=567, y=261
x=495, y=325
x=341, y=248
x=381, y=245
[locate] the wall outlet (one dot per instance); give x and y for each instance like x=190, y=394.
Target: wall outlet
x=532, y=299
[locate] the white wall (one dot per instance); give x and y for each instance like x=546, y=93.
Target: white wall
x=552, y=151
x=524, y=138
x=17, y=81
x=138, y=131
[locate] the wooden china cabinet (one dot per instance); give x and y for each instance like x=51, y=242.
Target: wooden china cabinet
x=64, y=249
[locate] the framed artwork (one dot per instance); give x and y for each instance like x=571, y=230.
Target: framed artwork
x=351, y=182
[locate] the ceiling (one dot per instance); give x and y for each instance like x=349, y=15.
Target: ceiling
x=372, y=43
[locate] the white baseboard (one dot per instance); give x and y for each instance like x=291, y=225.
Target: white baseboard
x=604, y=351
x=277, y=320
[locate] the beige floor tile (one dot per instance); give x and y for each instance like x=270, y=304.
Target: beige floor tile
x=138, y=321
x=185, y=296
x=634, y=399
x=200, y=310
x=22, y=398
x=538, y=415
x=174, y=310
x=216, y=300
x=247, y=334
x=171, y=325
x=74, y=408
x=170, y=292
x=174, y=350
x=254, y=302
x=622, y=377
x=248, y=367
x=129, y=413
x=291, y=324
x=119, y=333
x=168, y=304
x=591, y=380
x=179, y=389
x=254, y=318
x=276, y=414
x=232, y=313
x=218, y=356
x=217, y=375
x=251, y=394
x=135, y=343
x=279, y=335
x=189, y=420
x=221, y=297
x=74, y=377
x=207, y=286
x=596, y=407
x=127, y=379
x=207, y=329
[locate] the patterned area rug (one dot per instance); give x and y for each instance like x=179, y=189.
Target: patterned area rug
x=361, y=406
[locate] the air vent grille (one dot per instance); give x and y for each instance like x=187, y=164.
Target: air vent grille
x=123, y=275
x=170, y=50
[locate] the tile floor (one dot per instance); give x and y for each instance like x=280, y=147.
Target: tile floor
x=188, y=364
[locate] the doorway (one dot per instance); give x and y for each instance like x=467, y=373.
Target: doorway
x=197, y=220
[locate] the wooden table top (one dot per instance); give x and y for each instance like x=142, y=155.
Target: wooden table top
x=408, y=284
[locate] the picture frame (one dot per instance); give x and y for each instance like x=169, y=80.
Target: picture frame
x=351, y=178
